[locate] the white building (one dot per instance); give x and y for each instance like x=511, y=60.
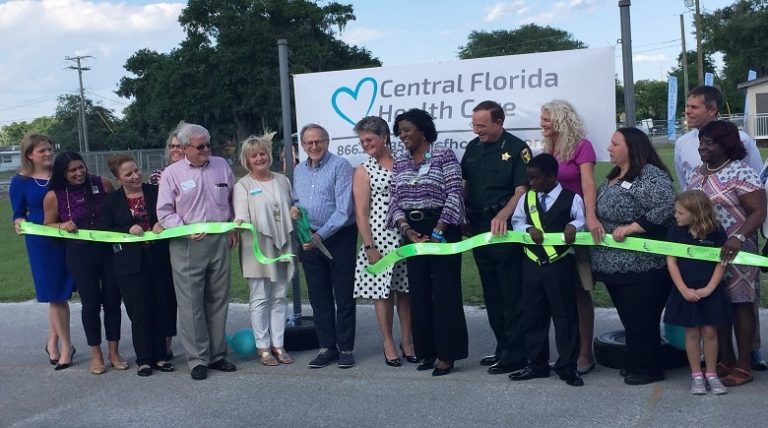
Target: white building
x=756, y=120
x=10, y=160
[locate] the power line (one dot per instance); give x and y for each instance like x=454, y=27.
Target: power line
x=83, y=125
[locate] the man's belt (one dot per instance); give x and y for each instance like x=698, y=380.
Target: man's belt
x=488, y=211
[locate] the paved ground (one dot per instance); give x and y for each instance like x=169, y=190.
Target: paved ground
x=370, y=394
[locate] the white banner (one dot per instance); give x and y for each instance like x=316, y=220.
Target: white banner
x=448, y=91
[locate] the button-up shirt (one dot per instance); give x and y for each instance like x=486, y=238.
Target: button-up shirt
x=687, y=156
x=190, y=194
x=325, y=190
x=520, y=219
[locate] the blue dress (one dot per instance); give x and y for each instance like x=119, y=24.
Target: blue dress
x=712, y=310
x=46, y=255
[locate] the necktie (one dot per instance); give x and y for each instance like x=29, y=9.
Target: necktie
x=543, y=202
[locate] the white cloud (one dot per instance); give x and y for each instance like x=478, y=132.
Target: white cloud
x=649, y=58
x=501, y=10
x=358, y=36
x=43, y=32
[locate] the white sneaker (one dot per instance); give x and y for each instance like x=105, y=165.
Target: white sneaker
x=716, y=386
x=698, y=386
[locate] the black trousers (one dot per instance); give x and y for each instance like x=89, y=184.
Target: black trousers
x=147, y=295
x=91, y=267
x=549, y=294
x=333, y=281
x=501, y=277
x=437, y=308
x=639, y=305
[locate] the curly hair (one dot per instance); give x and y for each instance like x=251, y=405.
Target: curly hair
x=726, y=135
x=421, y=120
x=567, y=125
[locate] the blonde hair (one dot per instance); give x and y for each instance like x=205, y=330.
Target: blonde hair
x=254, y=144
x=28, y=144
x=698, y=204
x=567, y=125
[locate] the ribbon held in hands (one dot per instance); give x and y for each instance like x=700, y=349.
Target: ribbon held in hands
x=175, y=232
x=662, y=248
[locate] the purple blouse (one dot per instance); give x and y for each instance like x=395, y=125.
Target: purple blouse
x=433, y=183
x=75, y=204
x=569, y=171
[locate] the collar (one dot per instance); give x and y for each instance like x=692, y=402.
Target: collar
x=326, y=157
x=554, y=193
x=189, y=164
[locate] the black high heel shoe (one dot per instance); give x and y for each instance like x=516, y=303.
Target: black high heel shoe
x=60, y=366
x=442, y=372
x=410, y=358
x=395, y=362
x=53, y=362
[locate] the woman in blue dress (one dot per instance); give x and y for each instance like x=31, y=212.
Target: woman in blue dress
x=53, y=284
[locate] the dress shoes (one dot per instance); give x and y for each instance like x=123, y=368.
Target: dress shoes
x=442, y=372
x=62, y=366
x=223, y=366
x=410, y=358
x=164, y=367
x=528, y=373
x=426, y=365
x=394, y=362
x=570, y=376
x=757, y=362
x=144, y=370
x=53, y=361
x=643, y=378
x=200, y=372
x=489, y=360
x=500, y=368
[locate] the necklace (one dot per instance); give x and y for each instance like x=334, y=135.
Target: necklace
x=272, y=194
x=45, y=181
x=81, y=200
x=717, y=168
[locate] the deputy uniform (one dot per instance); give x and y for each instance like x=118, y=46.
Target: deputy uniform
x=492, y=171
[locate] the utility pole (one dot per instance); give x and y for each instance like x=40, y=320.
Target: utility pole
x=684, y=57
x=84, y=143
x=699, y=52
x=626, y=55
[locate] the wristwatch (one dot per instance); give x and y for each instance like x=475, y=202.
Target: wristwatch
x=740, y=237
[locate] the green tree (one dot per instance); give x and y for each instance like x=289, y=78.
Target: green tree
x=12, y=134
x=105, y=130
x=224, y=75
x=740, y=33
x=651, y=99
x=528, y=38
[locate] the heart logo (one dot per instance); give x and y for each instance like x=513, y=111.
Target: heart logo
x=357, y=103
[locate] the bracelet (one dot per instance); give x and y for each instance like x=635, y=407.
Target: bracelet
x=404, y=226
x=438, y=237
x=405, y=231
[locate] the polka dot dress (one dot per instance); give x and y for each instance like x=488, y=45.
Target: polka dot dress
x=385, y=240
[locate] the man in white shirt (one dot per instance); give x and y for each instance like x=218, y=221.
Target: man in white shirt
x=701, y=107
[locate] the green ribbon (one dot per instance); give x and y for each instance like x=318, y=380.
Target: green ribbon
x=175, y=232
x=663, y=248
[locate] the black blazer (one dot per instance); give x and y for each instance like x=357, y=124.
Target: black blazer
x=116, y=217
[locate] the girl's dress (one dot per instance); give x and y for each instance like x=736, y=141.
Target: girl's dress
x=711, y=310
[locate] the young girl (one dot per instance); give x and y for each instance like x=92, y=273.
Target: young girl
x=697, y=303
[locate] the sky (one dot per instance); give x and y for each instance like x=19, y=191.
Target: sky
x=36, y=36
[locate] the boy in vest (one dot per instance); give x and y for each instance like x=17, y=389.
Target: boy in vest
x=549, y=272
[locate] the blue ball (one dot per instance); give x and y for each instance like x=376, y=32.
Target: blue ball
x=242, y=342
x=675, y=335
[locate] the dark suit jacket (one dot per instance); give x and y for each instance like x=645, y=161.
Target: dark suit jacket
x=116, y=217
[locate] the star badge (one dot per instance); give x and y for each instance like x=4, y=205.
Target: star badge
x=505, y=156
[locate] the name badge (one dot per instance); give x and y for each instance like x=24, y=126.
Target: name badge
x=95, y=190
x=424, y=169
x=254, y=192
x=188, y=185
x=626, y=184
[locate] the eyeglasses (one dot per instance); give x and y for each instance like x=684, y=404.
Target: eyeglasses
x=202, y=147
x=474, y=125
x=175, y=146
x=314, y=143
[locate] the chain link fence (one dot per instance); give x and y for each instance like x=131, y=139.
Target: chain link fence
x=148, y=160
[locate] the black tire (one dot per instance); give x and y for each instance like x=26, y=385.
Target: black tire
x=302, y=337
x=610, y=351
